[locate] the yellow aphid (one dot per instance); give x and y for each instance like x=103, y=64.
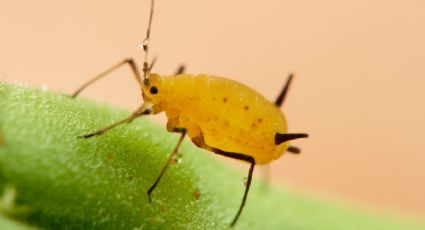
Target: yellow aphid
x=218, y=114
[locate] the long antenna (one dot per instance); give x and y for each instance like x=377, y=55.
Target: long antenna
x=145, y=45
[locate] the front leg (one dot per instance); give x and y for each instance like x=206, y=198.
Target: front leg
x=142, y=110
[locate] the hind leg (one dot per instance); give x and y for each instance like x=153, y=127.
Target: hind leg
x=199, y=141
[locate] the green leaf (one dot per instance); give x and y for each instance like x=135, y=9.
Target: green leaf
x=62, y=182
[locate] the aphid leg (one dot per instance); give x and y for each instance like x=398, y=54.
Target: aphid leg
x=282, y=95
x=200, y=142
x=128, y=61
x=170, y=158
x=294, y=150
x=180, y=70
x=142, y=110
x=248, y=159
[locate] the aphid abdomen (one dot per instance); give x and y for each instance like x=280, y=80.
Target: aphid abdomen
x=230, y=116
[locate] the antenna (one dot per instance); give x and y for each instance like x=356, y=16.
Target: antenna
x=145, y=46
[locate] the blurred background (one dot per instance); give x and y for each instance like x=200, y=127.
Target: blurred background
x=359, y=86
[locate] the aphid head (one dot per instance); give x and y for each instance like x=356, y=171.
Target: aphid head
x=151, y=90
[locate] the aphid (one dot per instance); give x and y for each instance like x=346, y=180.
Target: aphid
x=218, y=114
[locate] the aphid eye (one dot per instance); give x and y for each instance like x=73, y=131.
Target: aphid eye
x=154, y=90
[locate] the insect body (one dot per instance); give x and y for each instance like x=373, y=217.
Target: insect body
x=218, y=114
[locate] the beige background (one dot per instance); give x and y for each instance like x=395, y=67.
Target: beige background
x=360, y=70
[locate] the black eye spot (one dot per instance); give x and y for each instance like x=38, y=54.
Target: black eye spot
x=153, y=90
